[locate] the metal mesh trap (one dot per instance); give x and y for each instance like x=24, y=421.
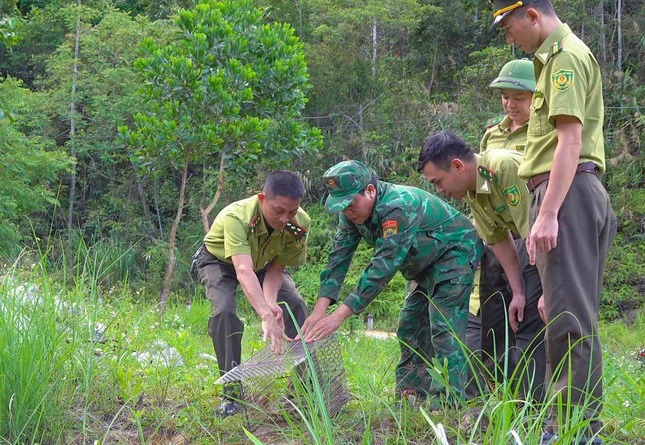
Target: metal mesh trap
x=275, y=383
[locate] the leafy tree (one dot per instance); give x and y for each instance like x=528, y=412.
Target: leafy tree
x=29, y=168
x=106, y=91
x=228, y=91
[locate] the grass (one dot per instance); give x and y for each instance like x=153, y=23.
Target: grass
x=80, y=363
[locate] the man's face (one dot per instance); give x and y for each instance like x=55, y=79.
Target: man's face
x=451, y=182
x=361, y=208
x=521, y=30
x=279, y=210
x=517, y=104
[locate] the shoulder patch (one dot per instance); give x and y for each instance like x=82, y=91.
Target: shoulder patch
x=487, y=173
x=390, y=228
x=298, y=232
x=494, y=121
x=253, y=223
x=562, y=79
x=513, y=196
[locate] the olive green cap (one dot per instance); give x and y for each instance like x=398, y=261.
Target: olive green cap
x=343, y=182
x=502, y=8
x=516, y=75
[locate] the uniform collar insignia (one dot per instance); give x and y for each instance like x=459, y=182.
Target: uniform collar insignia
x=296, y=230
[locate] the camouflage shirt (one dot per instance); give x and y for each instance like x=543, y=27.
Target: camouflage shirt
x=411, y=231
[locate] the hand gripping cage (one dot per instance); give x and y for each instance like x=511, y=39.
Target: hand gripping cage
x=272, y=383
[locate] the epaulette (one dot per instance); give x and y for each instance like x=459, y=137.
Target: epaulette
x=555, y=48
x=296, y=230
x=487, y=173
x=253, y=223
x=494, y=121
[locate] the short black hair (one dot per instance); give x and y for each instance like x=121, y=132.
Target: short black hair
x=441, y=148
x=284, y=183
x=373, y=181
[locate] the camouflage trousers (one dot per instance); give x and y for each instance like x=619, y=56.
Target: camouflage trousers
x=432, y=325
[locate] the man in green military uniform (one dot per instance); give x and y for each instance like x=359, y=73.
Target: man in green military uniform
x=516, y=82
x=572, y=224
x=500, y=207
x=250, y=244
x=435, y=248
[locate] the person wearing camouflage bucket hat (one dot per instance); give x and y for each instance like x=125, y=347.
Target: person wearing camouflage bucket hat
x=572, y=224
x=434, y=247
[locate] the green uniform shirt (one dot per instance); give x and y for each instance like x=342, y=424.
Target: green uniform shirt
x=499, y=135
x=412, y=231
x=501, y=202
x=568, y=84
x=240, y=229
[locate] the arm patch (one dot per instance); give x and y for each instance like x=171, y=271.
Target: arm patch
x=390, y=228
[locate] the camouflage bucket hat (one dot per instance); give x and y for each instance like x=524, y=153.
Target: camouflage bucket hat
x=343, y=182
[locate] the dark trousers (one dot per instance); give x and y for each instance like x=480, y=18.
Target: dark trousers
x=503, y=352
x=224, y=326
x=572, y=280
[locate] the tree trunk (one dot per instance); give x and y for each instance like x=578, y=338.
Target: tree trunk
x=173, y=234
x=434, y=67
x=374, y=47
x=218, y=193
x=619, y=24
x=72, y=121
x=144, y=204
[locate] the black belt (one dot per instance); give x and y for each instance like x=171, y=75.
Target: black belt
x=585, y=167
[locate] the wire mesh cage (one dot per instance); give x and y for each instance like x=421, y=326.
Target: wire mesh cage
x=275, y=383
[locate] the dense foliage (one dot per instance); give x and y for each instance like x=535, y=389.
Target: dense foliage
x=127, y=124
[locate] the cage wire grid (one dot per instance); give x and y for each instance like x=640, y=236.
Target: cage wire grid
x=267, y=380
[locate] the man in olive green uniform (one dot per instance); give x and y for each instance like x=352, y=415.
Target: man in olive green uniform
x=435, y=248
x=500, y=207
x=572, y=224
x=515, y=82
x=249, y=244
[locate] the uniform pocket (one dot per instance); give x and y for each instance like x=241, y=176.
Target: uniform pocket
x=539, y=121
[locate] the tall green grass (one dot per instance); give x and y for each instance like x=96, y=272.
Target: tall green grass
x=61, y=383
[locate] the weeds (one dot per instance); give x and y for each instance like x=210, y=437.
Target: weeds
x=63, y=381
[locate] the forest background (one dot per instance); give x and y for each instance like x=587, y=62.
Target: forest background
x=122, y=130
x=126, y=125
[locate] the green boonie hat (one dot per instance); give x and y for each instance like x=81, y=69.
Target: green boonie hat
x=516, y=75
x=502, y=8
x=343, y=182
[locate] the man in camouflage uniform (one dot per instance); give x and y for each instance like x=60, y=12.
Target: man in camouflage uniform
x=249, y=244
x=500, y=206
x=434, y=247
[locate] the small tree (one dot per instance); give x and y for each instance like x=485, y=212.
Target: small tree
x=229, y=89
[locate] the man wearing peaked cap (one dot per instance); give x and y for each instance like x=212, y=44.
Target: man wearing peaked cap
x=572, y=224
x=433, y=246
